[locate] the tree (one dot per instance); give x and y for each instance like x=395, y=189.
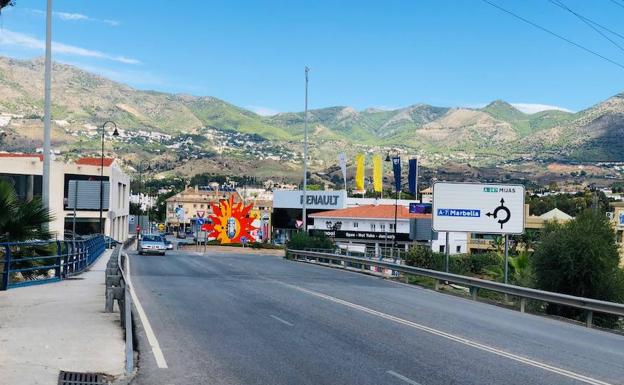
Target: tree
x=580, y=258
x=135, y=209
x=22, y=220
x=4, y=3
x=498, y=242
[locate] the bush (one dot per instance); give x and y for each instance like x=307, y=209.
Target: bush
x=421, y=256
x=303, y=241
x=580, y=258
x=459, y=263
x=482, y=264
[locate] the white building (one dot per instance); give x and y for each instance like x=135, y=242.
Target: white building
x=74, y=183
x=371, y=228
x=146, y=201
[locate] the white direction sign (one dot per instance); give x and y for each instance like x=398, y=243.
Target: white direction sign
x=478, y=208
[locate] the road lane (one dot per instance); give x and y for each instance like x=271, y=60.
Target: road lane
x=214, y=317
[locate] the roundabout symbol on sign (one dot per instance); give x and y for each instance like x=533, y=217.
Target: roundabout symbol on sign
x=495, y=214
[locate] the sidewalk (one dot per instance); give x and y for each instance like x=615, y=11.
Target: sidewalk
x=59, y=326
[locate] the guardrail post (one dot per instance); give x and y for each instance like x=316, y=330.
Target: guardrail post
x=109, y=300
x=522, y=305
x=436, y=285
x=474, y=291
x=6, y=269
x=589, y=319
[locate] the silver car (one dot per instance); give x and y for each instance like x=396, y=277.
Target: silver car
x=152, y=243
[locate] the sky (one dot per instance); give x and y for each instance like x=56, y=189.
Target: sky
x=382, y=54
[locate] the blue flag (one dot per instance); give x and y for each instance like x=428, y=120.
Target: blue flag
x=412, y=176
x=396, y=167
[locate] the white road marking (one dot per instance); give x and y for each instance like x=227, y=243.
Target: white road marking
x=401, y=377
x=149, y=332
x=461, y=340
x=280, y=320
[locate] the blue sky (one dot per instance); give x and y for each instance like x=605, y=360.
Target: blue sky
x=383, y=54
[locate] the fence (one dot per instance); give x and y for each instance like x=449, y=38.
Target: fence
x=474, y=284
x=37, y=262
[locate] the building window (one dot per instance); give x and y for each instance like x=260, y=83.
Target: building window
x=458, y=249
x=382, y=227
x=373, y=227
x=441, y=248
x=355, y=225
x=201, y=206
x=391, y=226
x=194, y=205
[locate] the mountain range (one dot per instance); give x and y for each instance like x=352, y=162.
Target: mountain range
x=496, y=132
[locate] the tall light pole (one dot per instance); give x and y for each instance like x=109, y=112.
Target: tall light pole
x=141, y=169
x=305, y=154
x=115, y=133
x=46, y=108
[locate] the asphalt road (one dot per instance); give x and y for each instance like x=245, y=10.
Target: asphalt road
x=252, y=319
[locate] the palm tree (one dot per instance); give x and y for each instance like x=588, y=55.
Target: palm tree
x=22, y=220
x=521, y=270
x=498, y=243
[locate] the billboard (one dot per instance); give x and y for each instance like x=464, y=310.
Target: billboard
x=230, y=222
x=478, y=208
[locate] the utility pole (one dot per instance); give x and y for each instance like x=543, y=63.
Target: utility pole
x=305, y=154
x=46, y=108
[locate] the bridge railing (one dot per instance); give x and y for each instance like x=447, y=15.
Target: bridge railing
x=474, y=284
x=37, y=262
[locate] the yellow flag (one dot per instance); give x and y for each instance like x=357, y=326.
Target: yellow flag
x=377, y=183
x=359, y=172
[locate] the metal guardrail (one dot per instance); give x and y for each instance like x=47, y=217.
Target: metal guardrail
x=588, y=304
x=118, y=288
x=34, y=260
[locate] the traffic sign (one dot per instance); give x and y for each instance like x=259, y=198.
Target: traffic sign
x=201, y=213
x=298, y=223
x=200, y=221
x=478, y=208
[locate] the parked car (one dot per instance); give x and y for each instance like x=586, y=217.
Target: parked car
x=152, y=243
x=169, y=244
x=181, y=235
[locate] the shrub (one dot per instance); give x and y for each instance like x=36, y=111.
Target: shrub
x=483, y=263
x=459, y=263
x=302, y=241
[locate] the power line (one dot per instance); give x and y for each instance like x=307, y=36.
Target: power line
x=586, y=21
x=554, y=34
x=618, y=3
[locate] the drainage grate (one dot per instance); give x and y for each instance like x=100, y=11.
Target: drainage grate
x=75, y=378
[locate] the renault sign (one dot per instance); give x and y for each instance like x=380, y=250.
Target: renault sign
x=325, y=200
x=478, y=208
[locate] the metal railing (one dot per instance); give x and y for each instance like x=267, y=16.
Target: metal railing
x=118, y=288
x=523, y=293
x=37, y=262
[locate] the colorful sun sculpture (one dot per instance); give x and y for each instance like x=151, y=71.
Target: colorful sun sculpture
x=231, y=222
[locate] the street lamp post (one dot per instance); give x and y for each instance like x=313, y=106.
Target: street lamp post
x=141, y=169
x=115, y=133
x=305, y=154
